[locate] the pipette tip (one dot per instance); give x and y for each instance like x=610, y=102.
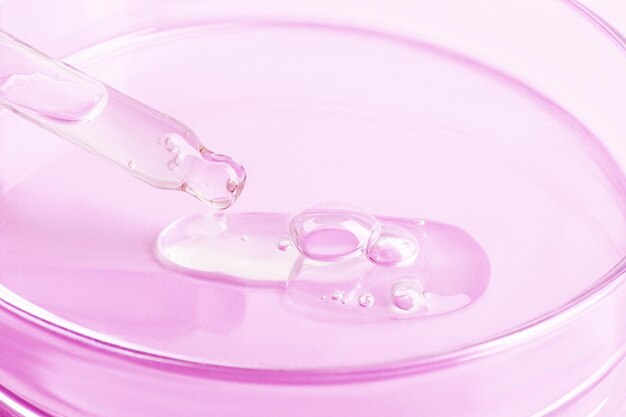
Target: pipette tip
x=216, y=180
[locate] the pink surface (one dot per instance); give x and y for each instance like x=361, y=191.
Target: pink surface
x=319, y=113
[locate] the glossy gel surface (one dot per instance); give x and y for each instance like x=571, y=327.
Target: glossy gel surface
x=451, y=271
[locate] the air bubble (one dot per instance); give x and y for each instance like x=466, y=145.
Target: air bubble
x=231, y=185
x=171, y=143
x=131, y=164
x=173, y=165
x=337, y=295
x=244, y=238
x=330, y=234
x=366, y=300
x=284, y=244
x=407, y=295
x=391, y=245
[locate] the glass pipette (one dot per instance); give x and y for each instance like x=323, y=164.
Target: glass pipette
x=149, y=144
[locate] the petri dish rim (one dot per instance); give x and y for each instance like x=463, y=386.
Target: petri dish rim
x=509, y=339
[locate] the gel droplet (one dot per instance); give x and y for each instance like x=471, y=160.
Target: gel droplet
x=391, y=245
x=330, y=234
x=407, y=295
x=452, y=270
x=337, y=295
x=366, y=300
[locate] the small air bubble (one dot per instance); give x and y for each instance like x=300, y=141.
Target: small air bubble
x=366, y=300
x=171, y=143
x=407, y=295
x=244, y=238
x=391, y=245
x=231, y=185
x=284, y=244
x=131, y=164
x=337, y=295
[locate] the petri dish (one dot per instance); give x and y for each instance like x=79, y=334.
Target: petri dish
x=319, y=109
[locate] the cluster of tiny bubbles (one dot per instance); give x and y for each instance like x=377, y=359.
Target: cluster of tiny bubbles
x=383, y=267
x=339, y=234
x=407, y=295
x=171, y=142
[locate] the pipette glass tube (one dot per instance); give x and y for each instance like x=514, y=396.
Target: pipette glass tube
x=149, y=144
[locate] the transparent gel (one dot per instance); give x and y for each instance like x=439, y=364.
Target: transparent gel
x=345, y=259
